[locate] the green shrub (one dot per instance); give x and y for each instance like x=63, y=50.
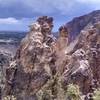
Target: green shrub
x=73, y=92
x=96, y=95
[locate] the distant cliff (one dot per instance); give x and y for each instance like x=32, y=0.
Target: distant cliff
x=82, y=22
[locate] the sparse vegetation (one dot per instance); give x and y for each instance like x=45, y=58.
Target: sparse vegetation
x=97, y=95
x=73, y=92
x=9, y=97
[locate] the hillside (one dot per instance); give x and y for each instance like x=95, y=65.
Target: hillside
x=9, y=41
x=79, y=23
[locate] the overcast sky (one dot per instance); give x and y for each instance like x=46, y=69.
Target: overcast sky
x=18, y=14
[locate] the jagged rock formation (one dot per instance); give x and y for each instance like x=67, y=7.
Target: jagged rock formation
x=32, y=67
x=44, y=66
x=86, y=55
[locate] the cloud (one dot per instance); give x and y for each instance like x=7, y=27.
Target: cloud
x=89, y=1
x=18, y=14
x=8, y=21
x=14, y=21
x=30, y=8
x=14, y=24
x=36, y=7
x=93, y=4
x=48, y=6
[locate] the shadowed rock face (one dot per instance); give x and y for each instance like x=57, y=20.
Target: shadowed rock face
x=4, y=64
x=80, y=23
x=83, y=66
x=79, y=71
x=44, y=66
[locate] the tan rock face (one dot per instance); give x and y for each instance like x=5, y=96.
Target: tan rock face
x=36, y=44
x=33, y=65
x=62, y=40
x=61, y=44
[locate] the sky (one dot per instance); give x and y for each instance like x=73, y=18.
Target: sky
x=17, y=15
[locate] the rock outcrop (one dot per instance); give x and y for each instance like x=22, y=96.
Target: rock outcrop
x=34, y=61
x=44, y=66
